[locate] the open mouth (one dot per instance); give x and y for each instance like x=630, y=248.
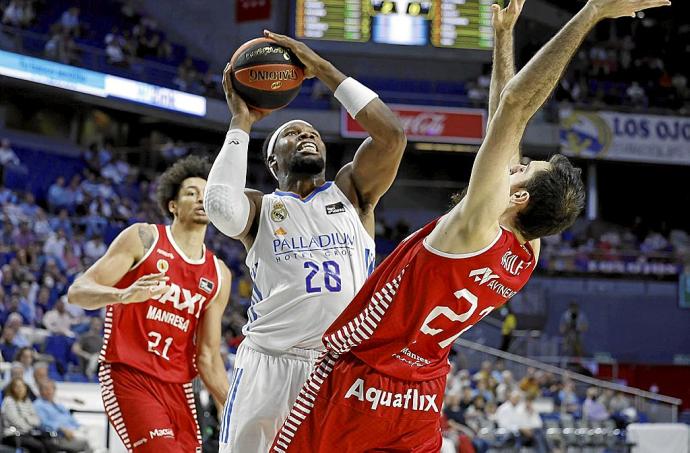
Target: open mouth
x=307, y=147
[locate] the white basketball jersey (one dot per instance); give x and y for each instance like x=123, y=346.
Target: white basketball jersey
x=309, y=258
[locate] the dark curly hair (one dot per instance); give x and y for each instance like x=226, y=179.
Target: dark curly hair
x=171, y=180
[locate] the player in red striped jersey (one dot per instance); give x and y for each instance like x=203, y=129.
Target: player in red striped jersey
x=165, y=295
x=380, y=386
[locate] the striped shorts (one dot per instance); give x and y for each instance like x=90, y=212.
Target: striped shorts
x=148, y=414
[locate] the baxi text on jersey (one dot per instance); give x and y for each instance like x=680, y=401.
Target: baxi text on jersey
x=182, y=300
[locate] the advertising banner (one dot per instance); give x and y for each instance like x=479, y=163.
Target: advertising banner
x=429, y=124
x=624, y=136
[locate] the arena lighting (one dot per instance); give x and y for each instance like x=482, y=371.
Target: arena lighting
x=98, y=84
x=446, y=147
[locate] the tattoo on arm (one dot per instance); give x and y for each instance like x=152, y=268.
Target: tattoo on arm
x=146, y=237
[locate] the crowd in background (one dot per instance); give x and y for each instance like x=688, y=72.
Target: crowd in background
x=493, y=400
x=616, y=67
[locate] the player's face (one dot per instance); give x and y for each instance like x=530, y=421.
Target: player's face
x=521, y=174
x=300, y=150
x=189, y=205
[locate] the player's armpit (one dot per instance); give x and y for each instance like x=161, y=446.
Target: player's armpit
x=474, y=223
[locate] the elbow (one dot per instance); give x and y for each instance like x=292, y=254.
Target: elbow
x=73, y=294
x=226, y=208
x=394, y=137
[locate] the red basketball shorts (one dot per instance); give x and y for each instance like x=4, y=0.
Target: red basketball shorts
x=148, y=414
x=347, y=407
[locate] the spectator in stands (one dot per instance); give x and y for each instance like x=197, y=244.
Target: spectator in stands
x=95, y=248
x=55, y=245
x=592, y=408
x=528, y=384
x=56, y=195
x=88, y=347
x=40, y=375
x=186, y=75
x=618, y=403
x=25, y=359
x=62, y=222
x=453, y=410
x=508, y=326
x=15, y=321
x=8, y=158
x=20, y=420
x=41, y=225
x=70, y=21
x=7, y=347
x=506, y=387
x=114, y=48
x=57, y=418
x=58, y=321
x=19, y=13
x=61, y=46
x=569, y=401
x=522, y=421
x=573, y=325
x=484, y=372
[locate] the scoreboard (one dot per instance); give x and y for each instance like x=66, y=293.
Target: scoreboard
x=460, y=24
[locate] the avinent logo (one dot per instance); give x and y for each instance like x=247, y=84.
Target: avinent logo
x=483, y=275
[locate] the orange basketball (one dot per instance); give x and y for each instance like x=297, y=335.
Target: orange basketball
x=266, y=75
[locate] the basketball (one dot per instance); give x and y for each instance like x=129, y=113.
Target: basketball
x=266, y=75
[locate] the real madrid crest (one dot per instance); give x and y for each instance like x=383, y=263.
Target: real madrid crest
x=162, y=266
x=279, y=212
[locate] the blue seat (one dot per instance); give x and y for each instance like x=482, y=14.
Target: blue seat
x=60, y=347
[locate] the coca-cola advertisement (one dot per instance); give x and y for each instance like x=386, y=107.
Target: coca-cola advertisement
x=429, y=124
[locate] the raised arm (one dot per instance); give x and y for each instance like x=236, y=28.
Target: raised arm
x=209, y=361
x=229, y=205
x=473, y=224
x=503, y=70
x=95, y=288
x=503, y=21
x=377, y=160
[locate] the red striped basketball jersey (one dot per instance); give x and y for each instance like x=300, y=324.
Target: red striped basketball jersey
x=158, y=336
x=419, y=300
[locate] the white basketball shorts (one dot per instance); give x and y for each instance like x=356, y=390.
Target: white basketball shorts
x=263, y=388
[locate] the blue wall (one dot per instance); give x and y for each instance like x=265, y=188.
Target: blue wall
x=632, y=320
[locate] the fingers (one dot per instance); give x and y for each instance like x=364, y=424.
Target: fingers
x=283, y=40
x=158, y=291
x=153, y=278
x=647, y=4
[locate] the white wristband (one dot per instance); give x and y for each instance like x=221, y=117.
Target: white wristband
x=354, y=96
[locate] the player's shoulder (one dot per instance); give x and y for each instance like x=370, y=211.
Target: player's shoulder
x=138, y=235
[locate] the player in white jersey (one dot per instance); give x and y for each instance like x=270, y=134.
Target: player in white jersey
x=310, y=244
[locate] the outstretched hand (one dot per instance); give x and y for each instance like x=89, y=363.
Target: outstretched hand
x=237, y=106
x=503, y=20
x=310, y=59
x=613, y=9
